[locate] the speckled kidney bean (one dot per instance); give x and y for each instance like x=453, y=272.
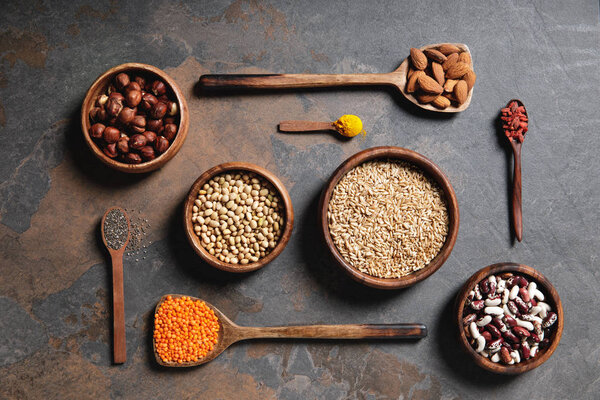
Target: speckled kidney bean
x=504, y=321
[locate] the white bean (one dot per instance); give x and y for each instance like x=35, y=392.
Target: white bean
x=533, y=351
x=535, y=310
x=494, y=302
x=515, y=355
x=525, y=324
x=538, y=295
x=480, y=344
x=545, y=306
x=531, y=289
x=505, y=297
x=514, y=292
x=474, y=331
x=495, y=358
x=493, y=310
x=484, y=321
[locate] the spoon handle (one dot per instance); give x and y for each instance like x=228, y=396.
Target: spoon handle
x=355, y=331
x=517, y=213
x=287, y=81
x=305, y=126
x=119, y=350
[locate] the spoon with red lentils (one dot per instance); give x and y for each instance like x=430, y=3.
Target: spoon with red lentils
x=189, y=331
x=515, y=122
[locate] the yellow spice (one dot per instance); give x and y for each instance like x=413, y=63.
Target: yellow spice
x=349, y=125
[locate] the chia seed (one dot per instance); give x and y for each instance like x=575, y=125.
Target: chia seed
x=115, y=229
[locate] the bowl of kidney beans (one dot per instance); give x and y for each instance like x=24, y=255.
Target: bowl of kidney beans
x=134, y=118
x=509, y=318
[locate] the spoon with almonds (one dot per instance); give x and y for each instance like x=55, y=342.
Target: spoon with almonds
x=230, y=333
x=424, y=96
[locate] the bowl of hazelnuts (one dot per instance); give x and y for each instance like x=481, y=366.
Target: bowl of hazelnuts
x=134, y=118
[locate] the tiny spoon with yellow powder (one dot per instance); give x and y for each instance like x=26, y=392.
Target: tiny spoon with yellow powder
x=347, y=125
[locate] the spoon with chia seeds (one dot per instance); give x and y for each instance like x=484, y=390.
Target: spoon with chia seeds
x=115, y=235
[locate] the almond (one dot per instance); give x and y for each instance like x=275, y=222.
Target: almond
x=434, y=55
x=441, y=102
x=409, y=72
x=470, y=78
x=460, y=92
x=465, y=57
x=438, y=73
x=449, y=96
x=411, y=85
x=448, y=48
x=458, y=70
x=419, y=60
x=449, y=85
x=450, y=61
x=425, y=98
x=429, y=85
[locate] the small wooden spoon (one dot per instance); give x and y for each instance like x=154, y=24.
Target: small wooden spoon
x=306, y=126
x=231, y=333
x=517, y=209
x=116, y=255
x=395, y=79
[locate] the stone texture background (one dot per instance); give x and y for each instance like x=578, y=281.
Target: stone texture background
x=54, y=277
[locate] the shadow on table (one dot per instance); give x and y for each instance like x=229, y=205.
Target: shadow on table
x=504, y=145
x=459, y=363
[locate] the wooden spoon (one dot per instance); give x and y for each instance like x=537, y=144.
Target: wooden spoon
x=116, y=255
x=517, y=213
x=395, y=79
x=231, y=333
x=306, y=126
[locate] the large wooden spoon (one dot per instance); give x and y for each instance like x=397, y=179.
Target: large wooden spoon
x=230, y=333
x=111, y=240
x=395, y=79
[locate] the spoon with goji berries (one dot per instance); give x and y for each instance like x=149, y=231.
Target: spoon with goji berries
x=514, y=122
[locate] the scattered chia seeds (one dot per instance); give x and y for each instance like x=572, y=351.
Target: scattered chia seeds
x=139, y=229
x=115, y=229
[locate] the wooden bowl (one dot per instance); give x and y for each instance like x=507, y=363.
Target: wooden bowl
x=434, y=172
x=100, y=86
x=195, y=240
x=403, y=69
x=551, y=298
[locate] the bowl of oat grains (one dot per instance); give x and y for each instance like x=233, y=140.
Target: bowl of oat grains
x=389, y=217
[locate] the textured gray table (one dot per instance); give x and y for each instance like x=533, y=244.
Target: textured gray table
x=54, y=277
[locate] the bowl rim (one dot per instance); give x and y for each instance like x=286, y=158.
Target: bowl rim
x=183, y=118
x=551, y=296
x=432, y=171
x=189, y=226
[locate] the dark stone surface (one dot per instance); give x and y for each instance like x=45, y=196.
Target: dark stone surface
x=54, y=275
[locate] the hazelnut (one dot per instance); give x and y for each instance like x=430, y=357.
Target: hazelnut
x=155, y=125
x=151, y=136
x=140, y=80
x=98, y=114
x=132, y=158
x=116, y=95
x=147, y=153
x=158, y=88
x=97, y=130
x=170, y=131
x=172, y=108
x=138, y=124
x=161, y=145
x=138, y=141
x=113, y=107
x=158, y=111
x=148, y=101
x=169, y=120
x=126, y=115
x=110, y=150
x=101, y=100
x=133, y=86
x=133, y=97
x=111, y=134
x=123, y=145
x=121, y=81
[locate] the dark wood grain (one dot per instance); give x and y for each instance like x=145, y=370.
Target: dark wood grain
x=433, y=171
x=306, y=126
x=517, y=204
x=116, y=256
x=193, y=195
x=552, y=299
x=395, y=79
x=100, y=86
x=231, y=333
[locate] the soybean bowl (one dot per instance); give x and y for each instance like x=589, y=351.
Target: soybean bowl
x=249, y=218
x=150, y=73
x=551, y=298
x=429, y=171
